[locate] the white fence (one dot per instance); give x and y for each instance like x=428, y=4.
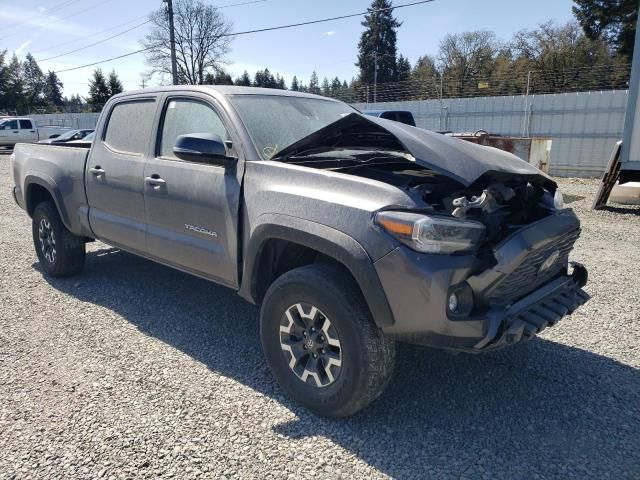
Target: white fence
x=584, y=126
x=71, y=120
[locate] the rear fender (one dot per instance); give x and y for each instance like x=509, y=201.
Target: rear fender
x=50, y=185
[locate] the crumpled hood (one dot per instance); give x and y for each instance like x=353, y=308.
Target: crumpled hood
x=458, y=159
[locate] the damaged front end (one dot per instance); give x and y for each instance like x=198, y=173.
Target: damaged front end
x=484, y=255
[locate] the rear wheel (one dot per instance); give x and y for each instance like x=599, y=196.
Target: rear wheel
x=321, y=343
x=61, y=253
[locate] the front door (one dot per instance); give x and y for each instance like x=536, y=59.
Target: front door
x=115, y=174
x=9, y=132
x=192, y=208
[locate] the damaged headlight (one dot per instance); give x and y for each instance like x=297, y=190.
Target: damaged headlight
x=432, y=234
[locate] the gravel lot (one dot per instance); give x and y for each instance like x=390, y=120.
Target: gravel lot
x=135, y=370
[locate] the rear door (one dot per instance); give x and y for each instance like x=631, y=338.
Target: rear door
x=115, y=173
x=28, y=133
x=192, y=208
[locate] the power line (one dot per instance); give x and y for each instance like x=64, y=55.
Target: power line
x=96, y=43
x=58, y=6
x=57, y=20
x=260, y=30
x=129, y=30
x=75, y=40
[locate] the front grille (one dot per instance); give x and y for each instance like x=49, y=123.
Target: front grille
x=527, y=276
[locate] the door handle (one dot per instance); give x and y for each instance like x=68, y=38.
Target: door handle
x=16, y=131
x=154, y=180
x=97, y=170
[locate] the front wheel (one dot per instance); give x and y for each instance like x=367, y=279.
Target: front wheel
x=61, y=253
x=321, y=343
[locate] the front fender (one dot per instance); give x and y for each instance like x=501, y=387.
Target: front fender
x=326, y=240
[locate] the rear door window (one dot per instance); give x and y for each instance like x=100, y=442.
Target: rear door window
x=129, y=127
x=26, y=125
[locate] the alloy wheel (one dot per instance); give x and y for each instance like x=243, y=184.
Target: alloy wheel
x=310, y=344
x=47, y=240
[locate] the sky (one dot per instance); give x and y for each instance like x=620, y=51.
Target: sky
x=330, y=48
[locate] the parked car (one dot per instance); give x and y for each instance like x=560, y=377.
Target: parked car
x=85, y=142
x=352, y=232
x=69, y=136
x=24, y=130
x=402, y=116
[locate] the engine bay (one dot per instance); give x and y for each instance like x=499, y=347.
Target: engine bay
x=504, y=203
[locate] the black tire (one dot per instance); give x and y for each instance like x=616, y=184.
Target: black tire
x=366, y=356
x=62, y=253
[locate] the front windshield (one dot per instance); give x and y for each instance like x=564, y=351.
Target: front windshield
x=276, y=121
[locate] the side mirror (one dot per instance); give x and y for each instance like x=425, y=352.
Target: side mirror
x=203, y=148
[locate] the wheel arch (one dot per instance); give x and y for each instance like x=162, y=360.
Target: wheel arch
x=304, y=239
x=38, y=190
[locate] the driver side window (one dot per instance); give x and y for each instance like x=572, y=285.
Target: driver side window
x=183, y=116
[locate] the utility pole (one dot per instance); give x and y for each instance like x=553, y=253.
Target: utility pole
x=172, y=41
x=375, y=64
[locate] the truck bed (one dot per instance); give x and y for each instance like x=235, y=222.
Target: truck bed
x=58, y=169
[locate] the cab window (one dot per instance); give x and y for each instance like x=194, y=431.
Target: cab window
x=26, y=125
x=183, y=116
x=129, y=127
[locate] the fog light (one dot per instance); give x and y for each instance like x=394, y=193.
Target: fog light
x=453, y=302
x=460, y=301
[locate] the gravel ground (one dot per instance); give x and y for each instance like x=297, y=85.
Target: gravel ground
x=133, y=370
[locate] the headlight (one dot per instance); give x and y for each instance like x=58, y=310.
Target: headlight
x=432, y=234
x=558, y=200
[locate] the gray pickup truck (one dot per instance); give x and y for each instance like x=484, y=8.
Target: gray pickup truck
x=352, y=232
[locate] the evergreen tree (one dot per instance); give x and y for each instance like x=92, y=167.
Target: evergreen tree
x=114, y=84
x=613, y=21
x=219, y=78
x=98, y=90
x=336, y=86
x=243, y=80
x=280, y=83
x=34, y=82
x=4, y=80
x=264, y=79
x=53, y=89
x=294, y=84
x=326, y=87
x=378, y=42
x=314, y=87
x=403, y=69
x=14, y=96
x=425, y=69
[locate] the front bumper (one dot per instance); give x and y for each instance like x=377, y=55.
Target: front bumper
x=514, y=299
x=541, y=309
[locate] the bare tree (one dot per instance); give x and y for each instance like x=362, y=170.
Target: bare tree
x=203, y=39
x=466, y=57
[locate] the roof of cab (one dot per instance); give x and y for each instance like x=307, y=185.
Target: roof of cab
x=226, y=90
